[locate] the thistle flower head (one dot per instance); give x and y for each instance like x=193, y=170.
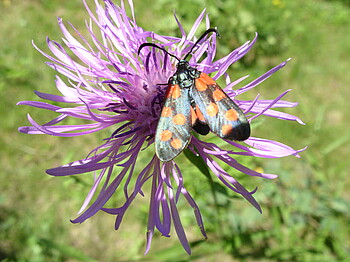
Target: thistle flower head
x=110, y=86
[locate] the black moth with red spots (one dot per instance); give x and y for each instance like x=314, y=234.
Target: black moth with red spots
x=193, y=100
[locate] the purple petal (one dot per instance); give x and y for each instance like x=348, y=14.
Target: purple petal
x=177, y=223
x=261, y=78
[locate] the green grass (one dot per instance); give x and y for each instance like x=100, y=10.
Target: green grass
x=306, y=211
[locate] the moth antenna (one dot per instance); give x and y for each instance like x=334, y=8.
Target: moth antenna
x=210, y=30
x=156, y=46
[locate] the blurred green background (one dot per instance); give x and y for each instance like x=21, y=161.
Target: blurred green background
x=306, y=211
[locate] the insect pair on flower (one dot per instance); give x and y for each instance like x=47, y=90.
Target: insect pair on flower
x=193, y=100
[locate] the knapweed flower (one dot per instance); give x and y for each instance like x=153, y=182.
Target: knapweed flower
x=111, y=87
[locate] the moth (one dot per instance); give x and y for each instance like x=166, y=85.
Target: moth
x=194, y=101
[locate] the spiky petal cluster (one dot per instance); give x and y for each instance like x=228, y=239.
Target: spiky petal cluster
x=110, y=86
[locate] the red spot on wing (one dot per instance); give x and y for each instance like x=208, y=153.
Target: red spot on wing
x=176, y=92
x=207, y=79
x=173, y=91
x=203, y=81
x=168, y=91
x=166, y=112
x=218, y=95
x=199, y=114
x=166, y=135
x=176, y=143
x=212, y=109
x=226, y=129
x=179, y=119
x=200, y=84
x=231, y=115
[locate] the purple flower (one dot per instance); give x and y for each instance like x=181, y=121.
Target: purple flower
x=110, y=85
